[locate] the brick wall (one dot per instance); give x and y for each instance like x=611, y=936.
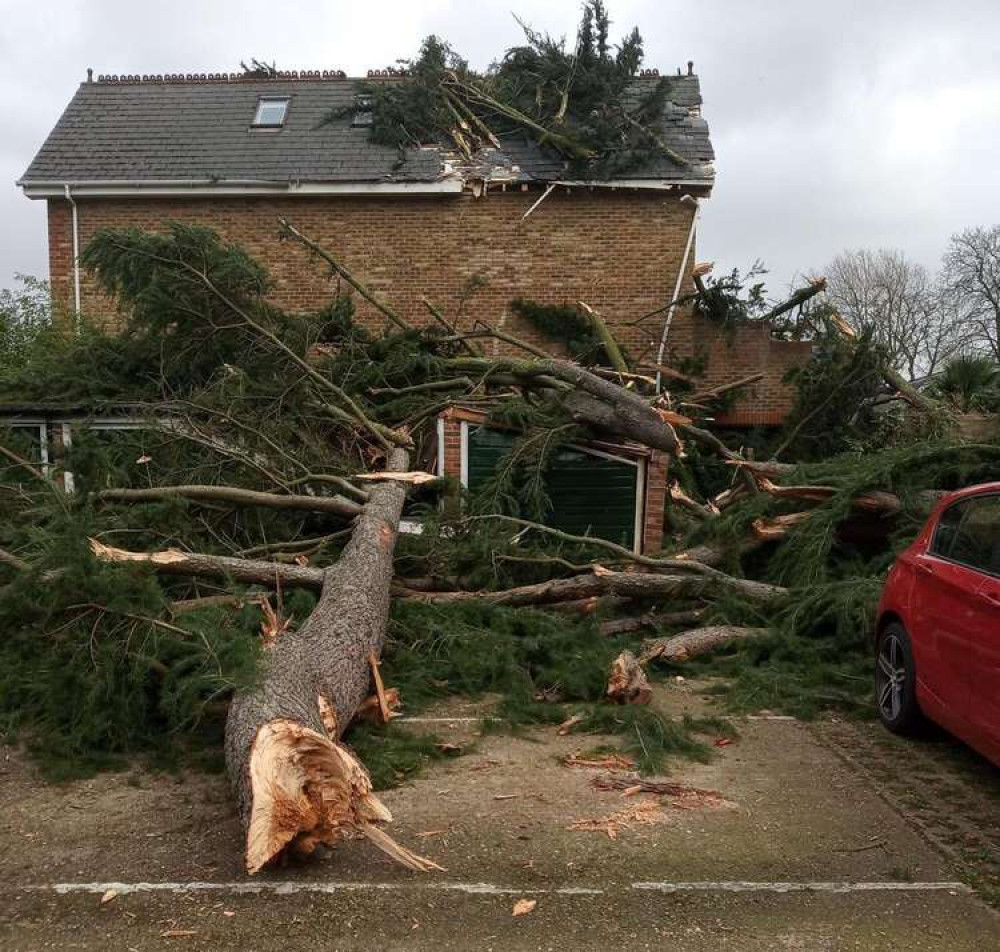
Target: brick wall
x=617, y=250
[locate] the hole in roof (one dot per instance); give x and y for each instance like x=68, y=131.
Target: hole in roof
x=270, y=112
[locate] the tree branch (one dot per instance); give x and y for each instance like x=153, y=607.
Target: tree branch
x=338, y=268
x=336, y=505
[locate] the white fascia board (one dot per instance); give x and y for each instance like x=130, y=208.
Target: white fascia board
x=660, y=185
x=185, y=189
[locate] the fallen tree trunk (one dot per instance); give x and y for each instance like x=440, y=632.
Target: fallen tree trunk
x=697, y=641
x=627, y=584
x=296, y=785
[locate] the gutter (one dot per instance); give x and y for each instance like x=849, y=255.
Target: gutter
x=76, y=252
x=97, y=188
x=677, y=288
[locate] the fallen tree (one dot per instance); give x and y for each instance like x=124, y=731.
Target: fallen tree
x=297, y=786
x=276, y=424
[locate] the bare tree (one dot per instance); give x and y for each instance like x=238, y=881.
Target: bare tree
x=899, y=301
x=971, y=279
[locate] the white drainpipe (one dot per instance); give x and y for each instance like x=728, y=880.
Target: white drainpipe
x=677, y=289
x=76, y=253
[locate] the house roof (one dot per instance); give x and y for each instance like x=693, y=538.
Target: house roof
x=195, y=132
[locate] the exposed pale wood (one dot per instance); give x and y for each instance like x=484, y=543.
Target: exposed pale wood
x=627, y=682
x=703, y=511
x=777, y=527
x=385, y=711
x=14, y=561
x=371, y=708
x=413, y=478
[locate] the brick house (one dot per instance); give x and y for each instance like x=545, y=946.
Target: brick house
x=235, y=153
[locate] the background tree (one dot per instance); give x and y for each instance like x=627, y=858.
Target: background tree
x=25, y=314
x=897, y=302
x=971, y=277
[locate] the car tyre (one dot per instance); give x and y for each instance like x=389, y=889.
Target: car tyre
x=896, y=681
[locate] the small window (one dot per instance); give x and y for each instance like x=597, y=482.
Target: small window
x=270, y=113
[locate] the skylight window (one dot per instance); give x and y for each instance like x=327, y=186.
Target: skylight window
x=270, y=113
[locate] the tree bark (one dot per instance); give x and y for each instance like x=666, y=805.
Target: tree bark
x=590, y=400
x=337, y=505
x=628, y=584
x=253, y=571
x=296, y=785
x=621, y=626
x=695, y=642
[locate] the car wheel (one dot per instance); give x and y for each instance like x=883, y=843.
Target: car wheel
x=896, y=681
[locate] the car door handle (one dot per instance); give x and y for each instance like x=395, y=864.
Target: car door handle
x=992, y=597
x=925, y=568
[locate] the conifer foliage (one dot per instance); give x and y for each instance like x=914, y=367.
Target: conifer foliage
x=580, y=101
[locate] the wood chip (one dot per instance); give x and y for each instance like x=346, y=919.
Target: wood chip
x=177, y=933
x=608, y=762
x=645, y=812
x=523, y=906
x=566, y=726
x=681, y=797
x=506, y=796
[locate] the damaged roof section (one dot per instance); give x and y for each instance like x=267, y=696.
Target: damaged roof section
x=198, y=132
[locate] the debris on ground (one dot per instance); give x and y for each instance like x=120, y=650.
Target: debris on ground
x=603, y=762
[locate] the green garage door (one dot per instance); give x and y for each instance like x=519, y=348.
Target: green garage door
x=591, y=495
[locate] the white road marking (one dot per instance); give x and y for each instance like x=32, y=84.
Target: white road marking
x=285, y=888
x=829, y=887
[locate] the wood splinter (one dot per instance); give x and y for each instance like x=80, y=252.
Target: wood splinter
x=628, y=683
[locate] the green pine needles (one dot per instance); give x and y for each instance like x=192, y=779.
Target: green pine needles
x=581, y=102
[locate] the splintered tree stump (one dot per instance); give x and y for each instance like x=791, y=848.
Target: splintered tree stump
x=627, y=683
x=296, y=784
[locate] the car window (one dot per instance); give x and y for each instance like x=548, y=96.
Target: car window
x=969, y=533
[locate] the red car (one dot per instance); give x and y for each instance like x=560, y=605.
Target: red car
x=938, y=633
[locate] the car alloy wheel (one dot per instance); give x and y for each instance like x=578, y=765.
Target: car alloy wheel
x=890, y=677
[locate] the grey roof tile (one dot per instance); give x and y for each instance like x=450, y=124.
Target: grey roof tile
x=200, y=129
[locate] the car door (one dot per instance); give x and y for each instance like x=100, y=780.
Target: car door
x=945, y=613
x=981, y=526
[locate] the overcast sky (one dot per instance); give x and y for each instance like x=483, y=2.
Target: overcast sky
x=836, y=123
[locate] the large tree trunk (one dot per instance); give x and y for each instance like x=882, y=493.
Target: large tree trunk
x=296, y=785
